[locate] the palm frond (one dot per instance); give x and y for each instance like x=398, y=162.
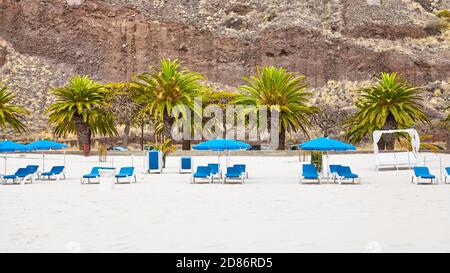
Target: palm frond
x=279, y=90
x=390, y=97
x=11, y=114
x=82, y=97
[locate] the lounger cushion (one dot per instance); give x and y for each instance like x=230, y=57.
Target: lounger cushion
x=202, y=172
x=309, y=171
x=91, y=176
x=423, y=172
x=234, y=172
x=346, y=172
x=186, y=163
x=214, y=168
x=201, y=175
x=427, y=176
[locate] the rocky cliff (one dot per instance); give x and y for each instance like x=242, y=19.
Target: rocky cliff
x=332, y=42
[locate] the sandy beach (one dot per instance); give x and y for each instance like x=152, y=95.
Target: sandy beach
x=272, y=212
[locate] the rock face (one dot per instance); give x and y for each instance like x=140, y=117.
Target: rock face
x=113, y=40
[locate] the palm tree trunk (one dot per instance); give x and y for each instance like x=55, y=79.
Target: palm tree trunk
x=186, y=145
x=126, y=133
x=83, y=133
x=142, y=136
x=389, y=139
x=167, y=130
x=282, y=137
x=381, y=145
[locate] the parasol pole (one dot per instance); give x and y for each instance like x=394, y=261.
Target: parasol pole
x=43, y=161
x=4, y=156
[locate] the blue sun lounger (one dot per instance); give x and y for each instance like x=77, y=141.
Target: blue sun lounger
x=344, y=173
x=234, y=173
x=334, y=171
x=94, y=174
x=422, y=173
x=56, y=172
x=203, y=173
x=21, y=174
x=243, y=169
x=155, y=161
x=33, y=170
x=215, y=170
x=309, y=174
x=186, y=164
x=126, y=173
x=447, y=174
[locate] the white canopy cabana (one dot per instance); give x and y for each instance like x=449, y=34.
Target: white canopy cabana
x=396, y=159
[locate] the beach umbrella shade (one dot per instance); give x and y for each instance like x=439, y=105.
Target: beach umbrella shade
x=325, y=144
x=11, y=146
x=220, y=145
x=45, y=145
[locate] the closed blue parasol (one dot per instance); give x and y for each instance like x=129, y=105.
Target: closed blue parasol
x=43, y=145
x=222, y=145
x=325, y=144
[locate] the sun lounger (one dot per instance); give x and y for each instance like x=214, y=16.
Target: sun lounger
x=309, y=174
x=155, y=161
x=234, y=174
x=22, y=174
x=126, y=173
x=186, y=164
x=243, y=169
x=422, y=173
x=203, y=173
x=447, y=174
x=94, y=175
x=56, y=172
x=215, y=170
x=344, y=173
x=33, y=170
x=334, y=171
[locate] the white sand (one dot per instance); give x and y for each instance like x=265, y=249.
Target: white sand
x=272, y=212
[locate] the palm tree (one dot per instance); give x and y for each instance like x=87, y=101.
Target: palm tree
x=11, y=114
x=390, y=104
x=281, y=91
x=81, y=108
x=163, y=88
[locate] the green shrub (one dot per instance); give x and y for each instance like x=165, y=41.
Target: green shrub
x=221, y=98
x=316, y=159
x=444, y=14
